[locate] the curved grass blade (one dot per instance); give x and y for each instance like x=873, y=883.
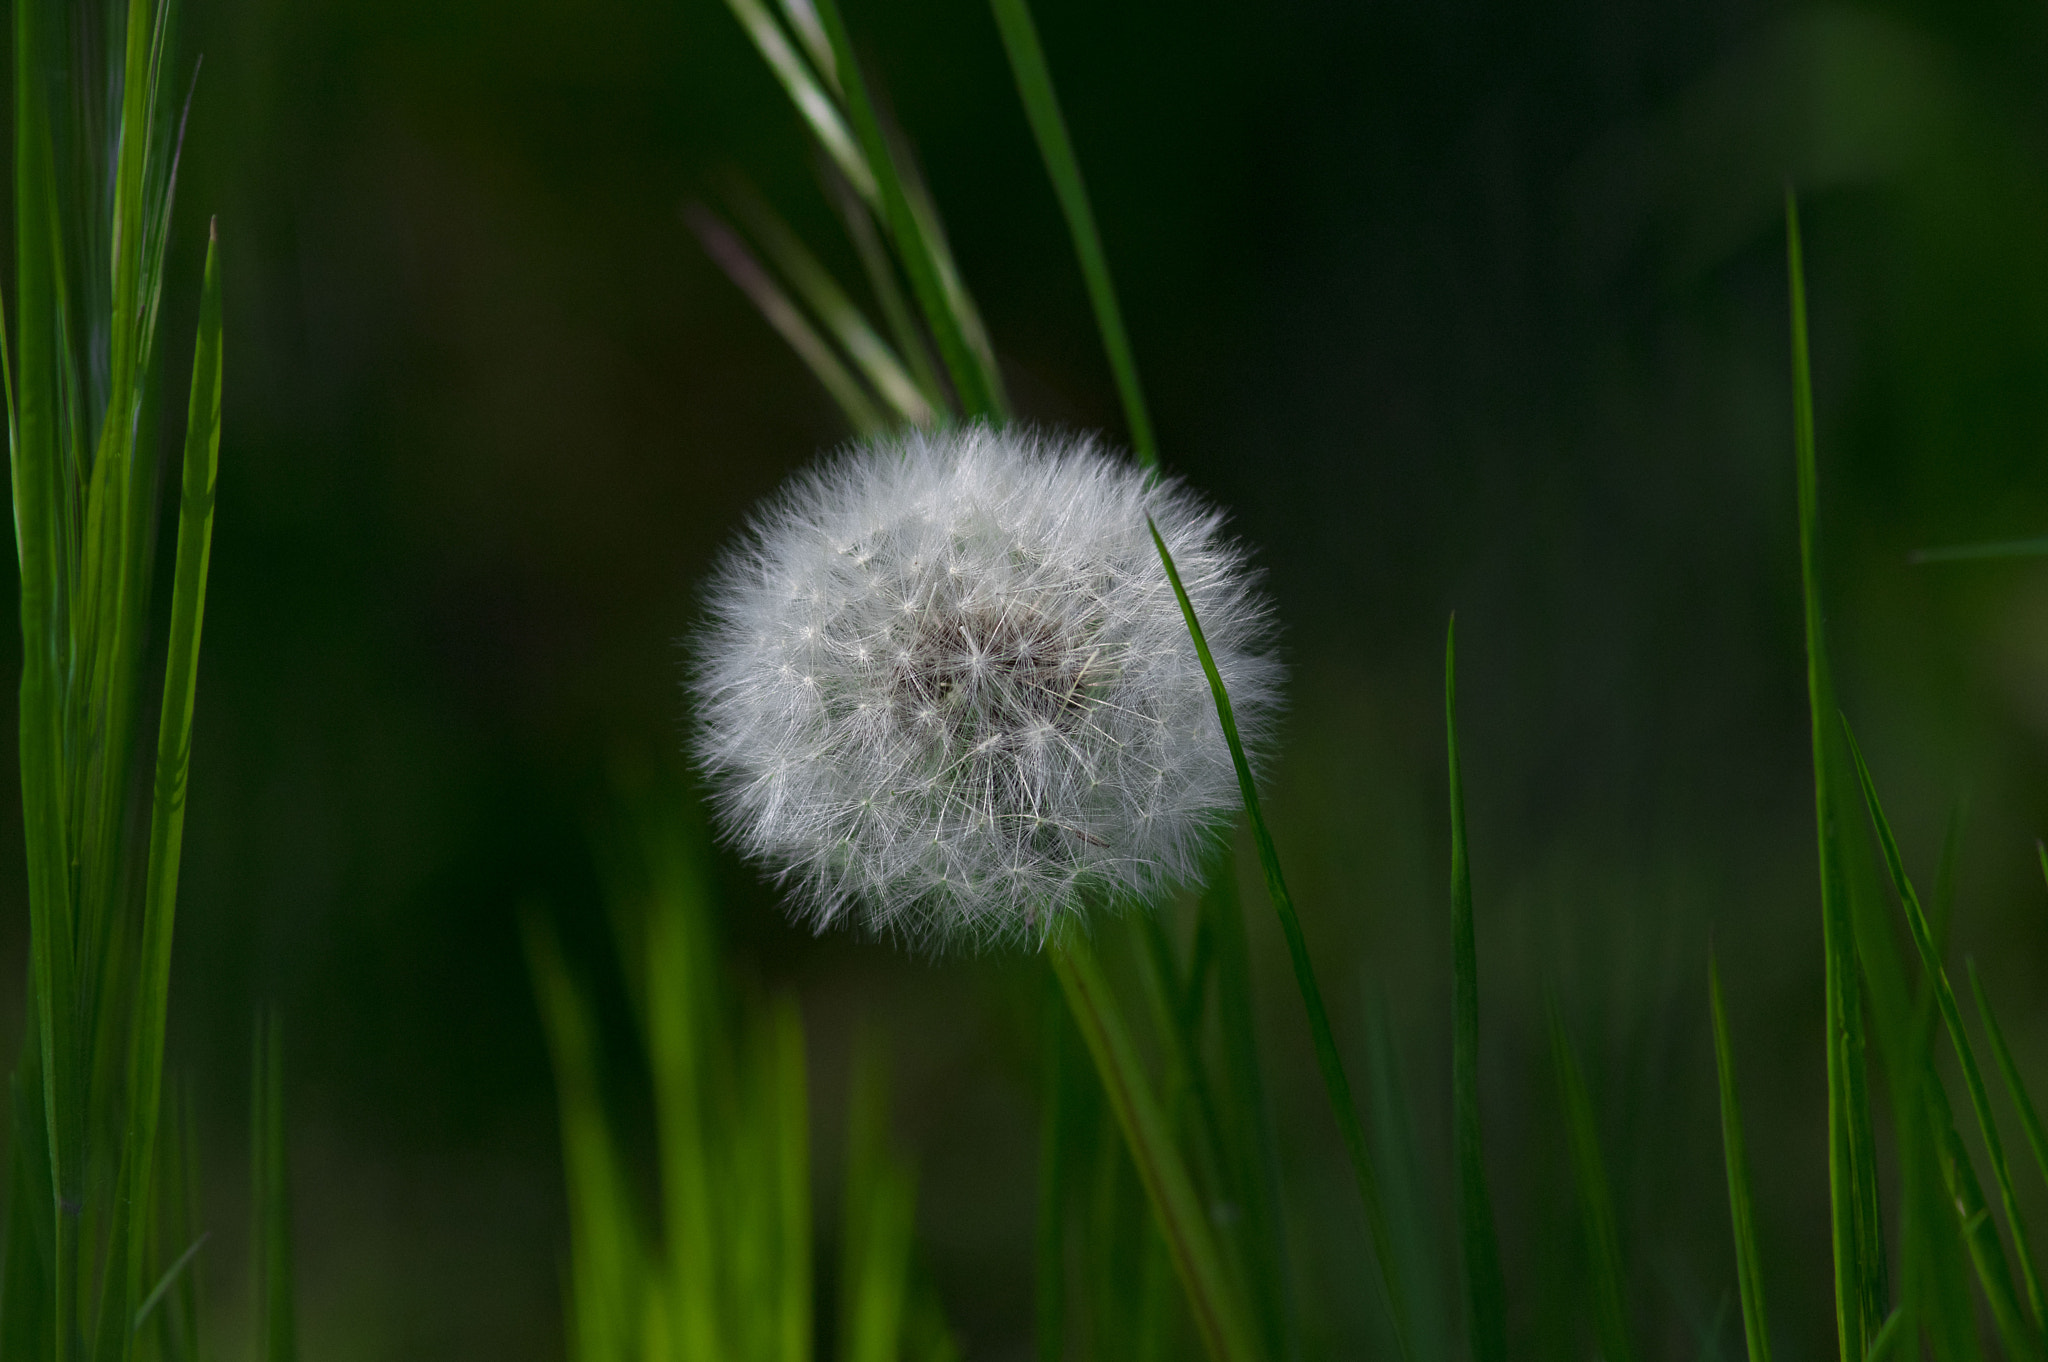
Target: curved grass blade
x=829, y=303
x=606, y=1258
x=1485, y=1290
x=820, y=113
x=913, y=226
x=1951, y=1015
x=1856, y=1229
x=173, y=764
x=741, y=267
x=1246, y=1106
x=881, y=272
x=1596, y=1199
x=1336, y=1086
x=1212, y=1297
x=2015, y=1086
x=1749, y=1275
x=1041, y=106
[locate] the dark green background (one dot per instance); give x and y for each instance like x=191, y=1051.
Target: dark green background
x=1471, y=304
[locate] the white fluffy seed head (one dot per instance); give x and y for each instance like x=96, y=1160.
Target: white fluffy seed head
x=945, y=689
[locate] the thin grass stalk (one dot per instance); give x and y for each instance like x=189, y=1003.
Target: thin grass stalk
x=610, y=1312
x=731, y=256
x=1336, y=1086
x=1951, y=1015
x=933, y=281
x=1596, y=1199
x=1852, y=1194
x=1485, y=1289
x=1256, y=1142
x=879, y=364
x=2015, y=1085
x=1042, y=108
x=174, y=752
x=1749, y=1276
x=1212, y=1298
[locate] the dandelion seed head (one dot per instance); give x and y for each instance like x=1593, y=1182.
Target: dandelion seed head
x=945, y=691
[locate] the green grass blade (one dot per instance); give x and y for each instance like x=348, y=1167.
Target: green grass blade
x=829, y=303
x=1855, y=1227
x=1336, y=1086
x=910, y=340
x=1042, y=107
x=270, y=1240
x=170, y=1278
x=1485, y=1290
x=27, y=1321
x=779, y=312
x=792, y=1307
x=1887, y=1339
x=880, y=1197
x=1249, y=1111
x=1211, y=1296
x=604, y=1243
x=39, y=463
x=173, y=757
x=685, y=1017
x=819, y=112
x=1951, y=1015
x=1596, y=1199
x=2015, y=1086
x=1980, y=1232
x=1749, y=1274
x=913, y=227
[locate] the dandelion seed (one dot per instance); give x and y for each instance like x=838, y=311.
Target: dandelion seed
x=1000, y=718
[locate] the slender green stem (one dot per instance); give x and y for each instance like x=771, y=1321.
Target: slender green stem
x=2015, y=1086
x=1952, y=1019
x=1860, y=1285
x=1749, y=1275
x=1336, y=1086
x=1212, y=1298
x=1042, y=108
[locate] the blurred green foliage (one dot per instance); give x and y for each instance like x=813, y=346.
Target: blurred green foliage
x=1456, y=304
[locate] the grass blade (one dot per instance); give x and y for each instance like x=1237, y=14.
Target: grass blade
x=173, y=758
x=1211, y=1296
x=1042, y=108
x=2015, y=1086
x=1336, y=1086
x=881, y=272
x=879, y=1201
x=1749, y=1276
x=774, y=306
x=1855, y=1226
x=819, y=112
x=792, y=1305
x=1951, y=1015
x=913, y=226
x=1596, y=1199
x=829, y=303
x=1486, y=1291
x=270, y=1192
x=605, y=1254
x=1250, y=1111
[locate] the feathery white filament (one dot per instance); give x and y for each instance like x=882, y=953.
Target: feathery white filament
x=945, y=686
